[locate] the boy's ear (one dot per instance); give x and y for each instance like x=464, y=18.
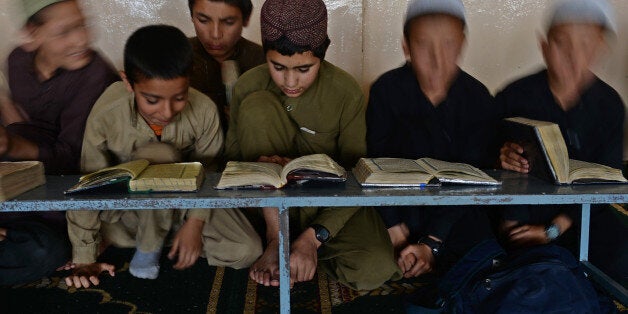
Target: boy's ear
x=127, y=84
x=28, y=38
x=406, y=49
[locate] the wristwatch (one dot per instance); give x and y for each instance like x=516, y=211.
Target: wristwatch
x=552, y=232
x=322, y=234
x=432, y=244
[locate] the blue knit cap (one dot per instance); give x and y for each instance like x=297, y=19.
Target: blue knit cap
x=583, y=11
x=416, y=8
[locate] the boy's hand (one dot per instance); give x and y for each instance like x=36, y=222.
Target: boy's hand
x=528, y=235
x=416, y=259
x=84, y=274
x=3, y=234
x=511, y=159
x=304, y=257
x=187, y=244
x=282, y=161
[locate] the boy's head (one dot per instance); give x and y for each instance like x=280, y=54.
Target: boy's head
x=56, y=31
x=157, y=66
x=218, y=24
x=295, y=40
x=576, y=38
x=434, y=35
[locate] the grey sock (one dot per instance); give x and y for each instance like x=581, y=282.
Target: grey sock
x=145, y=265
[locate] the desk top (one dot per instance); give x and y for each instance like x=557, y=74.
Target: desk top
x=516, y=189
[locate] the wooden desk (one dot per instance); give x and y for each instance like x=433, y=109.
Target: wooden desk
x=517, y=189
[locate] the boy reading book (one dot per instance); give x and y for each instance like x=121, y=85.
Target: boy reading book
x=154, y=104
x=221, y=54
x=54, y=78
x=590, y=115
x=299, y=104
x=429, y=107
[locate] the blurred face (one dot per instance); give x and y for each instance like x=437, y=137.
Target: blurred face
x=62, y=41
x=570, y=50
x=159, y=101
x=433, y=47
x=218, y=26
x=293, y=74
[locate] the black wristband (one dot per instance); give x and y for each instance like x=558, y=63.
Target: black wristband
x=432, y=244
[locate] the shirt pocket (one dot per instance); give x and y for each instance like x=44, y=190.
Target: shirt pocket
x=314, y=142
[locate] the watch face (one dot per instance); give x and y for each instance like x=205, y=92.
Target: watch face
x=552, y=232
x=322, y=235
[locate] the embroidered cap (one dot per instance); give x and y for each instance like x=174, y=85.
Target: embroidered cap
x=303, y=22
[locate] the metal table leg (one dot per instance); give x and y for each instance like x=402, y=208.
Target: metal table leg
x=607, y=283
x=284, y=260
x=584, y=232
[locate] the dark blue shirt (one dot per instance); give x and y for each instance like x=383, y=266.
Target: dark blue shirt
x=593, y=130
x=403, y=123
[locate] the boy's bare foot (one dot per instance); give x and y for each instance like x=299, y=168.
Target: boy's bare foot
x=265, y=270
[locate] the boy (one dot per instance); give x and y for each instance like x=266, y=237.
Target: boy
x=429, y=107
x=299, y=104
x=590, y=115
x=54, y=79
x=153, y=105
x=220, y=51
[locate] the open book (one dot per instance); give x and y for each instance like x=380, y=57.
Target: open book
x=20, y=176
x=546, y=151
x=317, y=167
x=144, y=177
x=398, y=172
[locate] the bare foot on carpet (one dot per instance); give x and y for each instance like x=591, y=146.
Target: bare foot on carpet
x=265, y=270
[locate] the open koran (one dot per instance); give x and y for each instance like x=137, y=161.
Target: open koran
x=144, y=177
x=19, y=176
x=547, y=154
x=317, y=167
x=398, y=172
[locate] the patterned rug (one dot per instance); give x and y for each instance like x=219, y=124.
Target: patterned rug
x=200, y=289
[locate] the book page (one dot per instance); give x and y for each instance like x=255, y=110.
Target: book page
x=169, y=177
x=450, y=172
x=397, y=165
x=588, y=171
x=556, y=149
x=391, y=172
x=243, y=174
x=132, y=169
x=316, y=162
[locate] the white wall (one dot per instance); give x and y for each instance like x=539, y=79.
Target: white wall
x=366, y=35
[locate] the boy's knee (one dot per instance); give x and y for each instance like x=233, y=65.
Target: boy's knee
x=236, y=255
x=366, y=270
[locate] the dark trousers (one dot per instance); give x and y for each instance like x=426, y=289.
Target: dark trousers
x=33, y=248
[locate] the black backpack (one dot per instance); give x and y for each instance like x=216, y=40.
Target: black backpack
x=542, y=279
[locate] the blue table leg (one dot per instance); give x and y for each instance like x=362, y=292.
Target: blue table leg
x=584, y=232
x=284, y=260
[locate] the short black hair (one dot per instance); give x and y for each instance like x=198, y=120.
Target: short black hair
x=157, y=51
x=284, y=46
x=245, y=6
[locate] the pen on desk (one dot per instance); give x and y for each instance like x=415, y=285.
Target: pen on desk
x=304, y=129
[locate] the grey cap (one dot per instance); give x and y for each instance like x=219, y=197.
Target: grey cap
x=583, y=11
x=454, y=8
